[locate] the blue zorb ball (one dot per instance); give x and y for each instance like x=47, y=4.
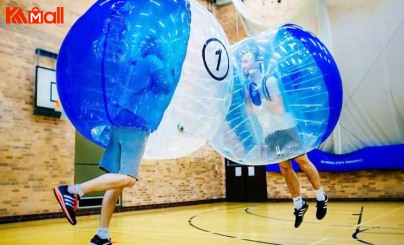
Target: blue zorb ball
x=286, y=99
x=157, y=65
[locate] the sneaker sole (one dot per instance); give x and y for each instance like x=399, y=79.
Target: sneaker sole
x=59, y=198
x=320, y=218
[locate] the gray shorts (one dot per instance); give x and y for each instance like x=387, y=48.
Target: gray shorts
x=124, y=151
x=284, y=142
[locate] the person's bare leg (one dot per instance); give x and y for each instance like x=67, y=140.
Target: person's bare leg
x=294, y=188
x=290, y=178
x=107, y=210
x=310, y=170
x=108, y=206
x=312, y=174
x=107, y=182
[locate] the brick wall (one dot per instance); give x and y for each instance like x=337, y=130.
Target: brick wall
x=351, y=185
x=199, y=176
x=37, y=153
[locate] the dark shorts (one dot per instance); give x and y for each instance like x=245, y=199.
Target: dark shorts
x=284, y=142
x=124, y=151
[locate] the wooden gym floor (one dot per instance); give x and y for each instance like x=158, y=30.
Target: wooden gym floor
x=225, y=223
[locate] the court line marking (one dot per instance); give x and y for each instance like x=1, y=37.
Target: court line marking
x=320, y=241
x=222, y=234
x=378, y=217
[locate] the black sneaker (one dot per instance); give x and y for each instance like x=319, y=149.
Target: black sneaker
x=322, y=208
x=68, y=202
x=299, y=214
x=98, y=241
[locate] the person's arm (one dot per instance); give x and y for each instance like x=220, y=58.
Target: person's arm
x=275, y=105
x=274, y=102
x=162, y=80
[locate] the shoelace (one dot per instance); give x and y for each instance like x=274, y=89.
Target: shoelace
x=325, y=203
x=75, y=201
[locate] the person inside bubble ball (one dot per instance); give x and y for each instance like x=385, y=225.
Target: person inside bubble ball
x=124, y=152
x=280, y=132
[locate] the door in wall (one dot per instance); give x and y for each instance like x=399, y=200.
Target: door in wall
x=245, y=183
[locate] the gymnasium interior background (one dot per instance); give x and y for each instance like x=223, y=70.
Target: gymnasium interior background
x=39, y=152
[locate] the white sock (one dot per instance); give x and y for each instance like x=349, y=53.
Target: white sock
x=103, y=233
x=320, y=194
x=298, y=202
x=73, y=189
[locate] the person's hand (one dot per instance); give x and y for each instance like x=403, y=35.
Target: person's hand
x=161, y=82
x=254, y=94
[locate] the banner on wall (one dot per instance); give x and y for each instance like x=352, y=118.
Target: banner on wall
x=368, y=158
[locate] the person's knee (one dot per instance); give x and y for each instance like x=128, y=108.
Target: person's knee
x=131, y=181
x=285, y=167
x=304, y=163
x=128, y=181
